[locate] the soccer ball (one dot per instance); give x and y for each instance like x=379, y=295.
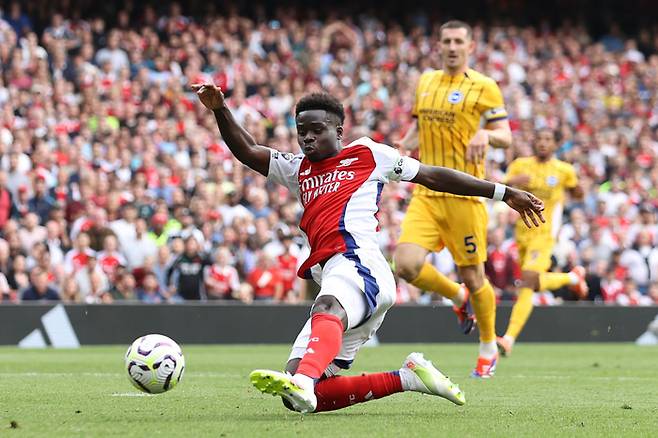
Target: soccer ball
x=155, y=363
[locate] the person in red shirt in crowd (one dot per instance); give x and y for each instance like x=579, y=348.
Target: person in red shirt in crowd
x=265, y=280
x=110, y=260
x=6, y=201
x=287, y=266
x=78, y=257
x=221, y=279
x=502, y=265
x=631, y=296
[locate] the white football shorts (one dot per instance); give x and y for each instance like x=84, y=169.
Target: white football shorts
x=362, y=282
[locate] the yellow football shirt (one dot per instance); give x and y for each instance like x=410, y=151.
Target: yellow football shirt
x=548, y=181
x=450, y=110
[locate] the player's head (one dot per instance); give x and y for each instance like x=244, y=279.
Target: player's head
x=545, y=142
x=456, y=44
x=319, y=118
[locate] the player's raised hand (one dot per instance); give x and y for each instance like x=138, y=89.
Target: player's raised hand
x=477, y=147
x=210, y=95
x=528, y=205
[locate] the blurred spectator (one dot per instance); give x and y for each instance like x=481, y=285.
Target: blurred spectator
x=185, y=275
x=70, y=292
x=92, y=281
x=631, y=296
x=502, y=265
x=125, y=227
x=6, y=200
x=221, y=279
x=78, y=257
x=109, y=259
x=140, y=247
x=265, y=280
x=41, y=202
x=39, y=289
x=287, y=264
x=124, y=288
x=150, y=291
x=18, y=277
x=31, y=232
x=5, y=291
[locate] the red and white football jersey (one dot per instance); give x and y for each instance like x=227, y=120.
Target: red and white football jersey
x=340, y=195
x=76, y=260
x=224, y=280
x=110, y=262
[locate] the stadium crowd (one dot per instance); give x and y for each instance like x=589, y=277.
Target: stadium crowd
x=115, y=185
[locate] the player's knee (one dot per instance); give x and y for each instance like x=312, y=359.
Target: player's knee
x=530, y=279
x=473, y=279
x=406, y=267
x=407, y=271
x=330, y=305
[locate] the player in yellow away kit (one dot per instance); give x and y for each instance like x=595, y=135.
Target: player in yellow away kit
x=548, y=178
x=459, y=113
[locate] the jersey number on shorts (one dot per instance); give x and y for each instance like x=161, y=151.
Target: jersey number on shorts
x=471, y=247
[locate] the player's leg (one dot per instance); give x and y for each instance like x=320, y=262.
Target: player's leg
x=535, y=258
x=347, y=297
x=323, y=337
x=520, y=311
x=575, y=279
x=416, y=374
x=466, y=238
x=419, y=236
x=484, y=305
x=332, y=392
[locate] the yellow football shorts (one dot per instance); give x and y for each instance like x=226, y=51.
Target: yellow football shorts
x=460, y=224
x=535, y=253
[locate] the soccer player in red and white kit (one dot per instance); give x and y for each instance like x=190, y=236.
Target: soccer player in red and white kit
x=339, y=188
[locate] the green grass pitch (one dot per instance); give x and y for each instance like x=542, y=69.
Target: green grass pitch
x=542, y=390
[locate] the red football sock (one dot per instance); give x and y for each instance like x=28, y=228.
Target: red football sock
x=342, y=391
x=323, y=345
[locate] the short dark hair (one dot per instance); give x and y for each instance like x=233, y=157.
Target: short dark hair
x=457, y=24
x=555, y=134
x=321, y=101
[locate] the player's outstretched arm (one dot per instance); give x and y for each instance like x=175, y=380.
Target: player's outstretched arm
x=442, y=179
x=238, y=140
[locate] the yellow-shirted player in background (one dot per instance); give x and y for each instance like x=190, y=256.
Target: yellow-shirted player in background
x=547, y=178
x=459, y=112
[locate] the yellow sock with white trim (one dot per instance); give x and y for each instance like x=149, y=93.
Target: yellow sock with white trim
x=520, y=312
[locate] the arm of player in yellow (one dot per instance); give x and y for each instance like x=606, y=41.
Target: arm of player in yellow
x=515, y=176
x=497, y=126
x=410, y=140
x=573, y=185
x=500, y=134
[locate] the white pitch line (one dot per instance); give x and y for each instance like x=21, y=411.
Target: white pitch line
x=49, y=374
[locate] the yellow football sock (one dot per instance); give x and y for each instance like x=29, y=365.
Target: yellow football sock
x=484, y=305
x=520, y=312
x=553, y=280
x=431, y=279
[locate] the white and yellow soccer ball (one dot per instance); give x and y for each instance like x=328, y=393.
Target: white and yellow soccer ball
x=155, y=364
